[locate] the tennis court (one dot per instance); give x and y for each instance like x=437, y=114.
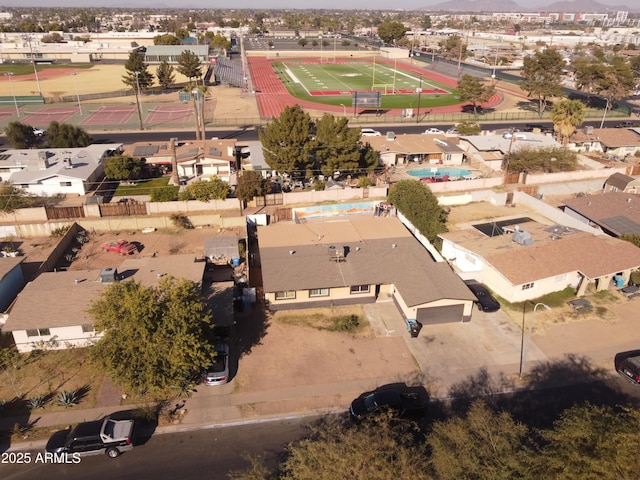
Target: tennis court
x=43, y=116
x=169, y=114
x=109, y=116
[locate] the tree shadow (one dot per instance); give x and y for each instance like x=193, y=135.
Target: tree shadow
x=528, y=106
x=14, y=416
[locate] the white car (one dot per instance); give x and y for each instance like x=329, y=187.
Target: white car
x=39, y=132
x=369, y=132
x=433, y=131
x=218, y=371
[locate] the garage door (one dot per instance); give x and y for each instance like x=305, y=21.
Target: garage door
x=435, y=315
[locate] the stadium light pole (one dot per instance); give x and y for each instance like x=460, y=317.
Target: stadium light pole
x=419, y=91
x=33, y=62
x=13, y=94
x=523, y=350
x=75, y=74
x=137, y=74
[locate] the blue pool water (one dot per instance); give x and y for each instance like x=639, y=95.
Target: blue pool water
x=439, y=172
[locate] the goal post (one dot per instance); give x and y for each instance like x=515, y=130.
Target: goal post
x=384, y=88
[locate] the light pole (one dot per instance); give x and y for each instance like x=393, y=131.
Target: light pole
x=33, y=62
x=419, y=91
x=344, y=109
x=137, y=74
x=15, y=102
x=523, y=350
x=77, y=93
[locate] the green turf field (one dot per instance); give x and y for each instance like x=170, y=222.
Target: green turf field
x=331, y=83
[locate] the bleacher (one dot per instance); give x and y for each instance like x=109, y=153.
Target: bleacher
x=229, y=72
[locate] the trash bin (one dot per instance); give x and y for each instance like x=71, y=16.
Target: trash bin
x=619, y=280
x=414, y=327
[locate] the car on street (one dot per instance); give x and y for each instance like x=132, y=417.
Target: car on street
x=108, y=436
x=486, y=302
x=39, y=132
x=405, y=403
x=628, y=367
x=121, y=247
x=369, y=132
x=217, y=373
x=433, y=131
x=625, y=125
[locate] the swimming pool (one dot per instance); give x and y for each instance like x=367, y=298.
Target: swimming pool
x=451, y=172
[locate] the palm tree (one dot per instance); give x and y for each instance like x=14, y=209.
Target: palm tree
x=567, y=115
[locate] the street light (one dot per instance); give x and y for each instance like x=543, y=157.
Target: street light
x=15, y=102
x=419, y=91
x=523, y=350
x=137, y=74
x=75, y=74
x=344, y=109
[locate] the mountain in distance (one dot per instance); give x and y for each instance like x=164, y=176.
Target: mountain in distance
x=570, y=6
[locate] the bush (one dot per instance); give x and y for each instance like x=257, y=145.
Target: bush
x=67, y=399
x=165, y=194
x=180, y=220
x=36, y=402
x=346, y=323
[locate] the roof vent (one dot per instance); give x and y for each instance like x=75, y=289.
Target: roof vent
x=522, y=237
x=108, y=275
x=391, y=136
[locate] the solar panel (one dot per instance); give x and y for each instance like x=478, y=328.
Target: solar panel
x=213, y=151
x=621, y=224
x=145, y=150
x=5, y=157
x=188, y=154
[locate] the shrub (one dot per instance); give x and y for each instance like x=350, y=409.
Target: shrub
x=60, y=231
x=36, y=402
x=346, y=323
x=67, y=399
x=164, y=194
x=180, y=220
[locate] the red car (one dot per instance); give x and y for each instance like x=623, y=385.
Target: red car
x=121, y=247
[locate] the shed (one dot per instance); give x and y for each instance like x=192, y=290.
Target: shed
x=222, y=250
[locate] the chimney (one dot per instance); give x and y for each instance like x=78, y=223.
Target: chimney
x=43, y=160
x=174, y=161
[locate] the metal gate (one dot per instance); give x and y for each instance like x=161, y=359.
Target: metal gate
x=270, y=200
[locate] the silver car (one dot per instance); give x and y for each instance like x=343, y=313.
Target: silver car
x=218, y=372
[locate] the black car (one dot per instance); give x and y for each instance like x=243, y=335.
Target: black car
x=628, y=366
x=405, y=403
x=626, y=125
x=485, y=302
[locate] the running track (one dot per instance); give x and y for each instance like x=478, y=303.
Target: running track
x=273, y=97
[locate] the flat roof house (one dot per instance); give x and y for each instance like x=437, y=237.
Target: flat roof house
x=51, y=311
x=356, y=260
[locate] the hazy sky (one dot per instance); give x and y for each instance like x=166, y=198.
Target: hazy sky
x=267, y=4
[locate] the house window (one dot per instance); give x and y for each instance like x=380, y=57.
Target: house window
x=88, y=328
x=561, y=278
x=527, y=286
x=38, y=332
x=359, y=289
x=65, y=184
x=319, y=292
x=287, y=295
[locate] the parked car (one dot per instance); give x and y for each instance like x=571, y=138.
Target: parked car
x=218, y=372
x=625, y=125
x=433, y=131
x=121, y=247
x=405, y=403
x=485, y=302
x=39, y=132
x=109, y=436
x=369, y=132
x=628, y=366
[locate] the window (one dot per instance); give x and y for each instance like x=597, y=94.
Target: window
x=527, y=286
x=319, y=292
x=561, y=278
x=88, y=328
x=65, y=184
x=288, y=295
x=360, y=289
x=38, y=332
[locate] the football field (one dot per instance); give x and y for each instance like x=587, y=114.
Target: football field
x=334, y=83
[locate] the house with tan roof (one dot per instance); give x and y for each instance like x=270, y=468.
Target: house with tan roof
x=51, y=311
x=194, y=158
x=615, y=213
x=407, y=148
x=619, y=182
x=357, y=260
x=527, y=260
x=615, y=142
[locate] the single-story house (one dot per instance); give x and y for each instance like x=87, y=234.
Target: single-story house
x=615, y=142
x=619, y=182
x=615, y=213
x=195, y=158
x=528, y=260
x=401, y=149
x=56, y=171
x=51, y=311
x=356, y=260
x=11, y=279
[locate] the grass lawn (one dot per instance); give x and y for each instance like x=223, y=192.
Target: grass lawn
x=142, y=187
x=306, y=80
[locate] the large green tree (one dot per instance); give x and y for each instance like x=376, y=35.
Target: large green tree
x=122, y=167
x=542, y=76
x=250, y=184
x=165, y=75
x=189, y=65
x=136, y=72
x=337, y=145
x=12, y=198
x=287, y=142
x=155, y=337
x=166, y=39
x=492, y=445
x=391, y=31
x=567, y=115
x=474, y=90
x=21, y=135
x=64, y=135
x=416, y=202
